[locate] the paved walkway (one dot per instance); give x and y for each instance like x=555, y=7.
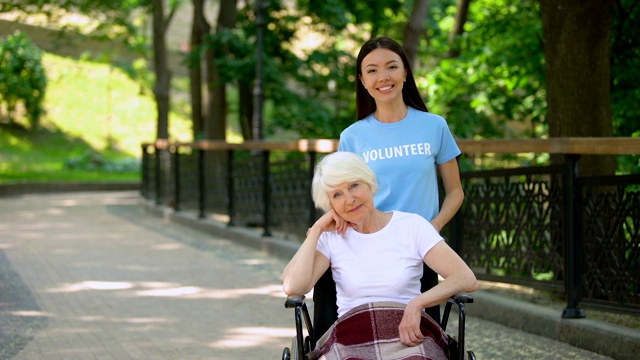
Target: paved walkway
x=93, y=275
x=111, y=282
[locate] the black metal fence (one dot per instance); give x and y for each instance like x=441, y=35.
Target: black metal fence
x=542, y=227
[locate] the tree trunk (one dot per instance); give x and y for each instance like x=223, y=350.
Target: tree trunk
x=458, y=28
x=216, y=123
x=576, y=35
x=414, y=29
x=199, y=28
x=245, y=92
x=162, y=86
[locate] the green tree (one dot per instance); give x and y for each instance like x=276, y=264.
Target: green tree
x=216, y=115
x=113, y=19
x=625, y=68
x=199, y=29
x=162, y=88
x=462, y=13
x=301, y=90
x=414, y=29
x=625, y=76
x=22, y=78
x=577, y=47
x=495, y=87
x=377, y=17
x=117, y=21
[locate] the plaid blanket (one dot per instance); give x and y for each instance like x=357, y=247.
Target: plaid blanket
x=370, y=331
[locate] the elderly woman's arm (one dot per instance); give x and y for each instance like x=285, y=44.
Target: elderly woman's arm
x=308, y=264
x=458, y=277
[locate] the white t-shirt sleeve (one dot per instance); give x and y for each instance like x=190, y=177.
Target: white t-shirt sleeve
x=323, y=245
x=425, y=236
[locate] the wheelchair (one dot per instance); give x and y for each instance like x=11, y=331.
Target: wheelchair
x=326, y=313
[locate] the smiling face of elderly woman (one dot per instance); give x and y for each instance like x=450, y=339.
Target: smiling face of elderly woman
x=342, y=171
x=353, y=201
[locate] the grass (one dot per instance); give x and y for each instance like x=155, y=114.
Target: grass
x=96, y=118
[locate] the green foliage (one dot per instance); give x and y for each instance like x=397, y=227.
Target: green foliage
x=94, y=111
x=625, y=77
x=43, y=154
x=322, y=105
x=22, y=78
x=495, y=88
x=625, y=68
x=380, y=17
x=94, y=161
x=117, y=20
x=297, y=86
x=498, y=81
x=240, y=65
x=333, y=13
x=111, y=112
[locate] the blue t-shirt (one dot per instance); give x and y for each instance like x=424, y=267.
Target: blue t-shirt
x=404, y=156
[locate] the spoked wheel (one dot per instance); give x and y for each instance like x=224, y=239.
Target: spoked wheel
x=294, y=350
x=471, y=355
x=286, y=354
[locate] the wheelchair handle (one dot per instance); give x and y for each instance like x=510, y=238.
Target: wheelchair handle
x=293, y=301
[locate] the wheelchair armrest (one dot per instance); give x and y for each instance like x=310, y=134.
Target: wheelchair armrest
x=462, y=297
x=459, y=299
x=301, y=344
x=293, y=301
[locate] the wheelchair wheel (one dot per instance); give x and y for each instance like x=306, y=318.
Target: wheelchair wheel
x=471, y=355
x=286, y=354
x=293, y=353
x=294, y=350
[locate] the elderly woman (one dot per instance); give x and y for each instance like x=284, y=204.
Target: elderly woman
x=375, y=257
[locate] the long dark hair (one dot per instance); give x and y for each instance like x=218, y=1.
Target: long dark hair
x=365, y=104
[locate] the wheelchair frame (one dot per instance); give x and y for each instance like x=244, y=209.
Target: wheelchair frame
x=305, y=344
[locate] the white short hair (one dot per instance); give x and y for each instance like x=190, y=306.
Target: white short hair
x=335, y=169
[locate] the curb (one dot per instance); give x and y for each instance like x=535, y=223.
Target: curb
x=597, y=336
x=13, y=189
x=245, y=236
x=600, y=337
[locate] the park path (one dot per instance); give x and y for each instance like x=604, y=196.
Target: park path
x=92, y=275
x=114, y=283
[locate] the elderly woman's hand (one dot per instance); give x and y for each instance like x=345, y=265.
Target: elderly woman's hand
x=409, y=327
x=330, y=221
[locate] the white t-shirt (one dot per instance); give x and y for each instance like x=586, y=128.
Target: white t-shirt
x=383, y=266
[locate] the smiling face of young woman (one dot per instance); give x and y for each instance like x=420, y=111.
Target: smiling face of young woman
x=383, y=75
x=353, y=201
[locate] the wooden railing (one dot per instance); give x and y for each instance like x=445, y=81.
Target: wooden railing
x=582, y=146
